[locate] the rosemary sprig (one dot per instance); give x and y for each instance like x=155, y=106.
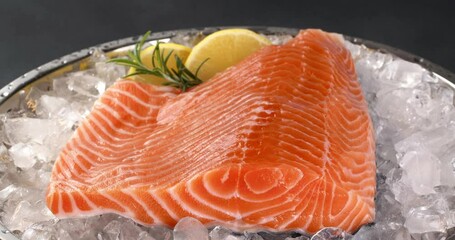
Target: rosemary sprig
x=181, y=77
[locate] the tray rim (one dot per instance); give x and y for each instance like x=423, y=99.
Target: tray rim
x=22, y=81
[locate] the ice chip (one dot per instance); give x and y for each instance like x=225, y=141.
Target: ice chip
x=86, y=85
x=448, y=167
x=220, y=233
x=435, y=140
x=22, y=155
x=402, y=74
x=25, y=215
x=4, y=193
x=145, y=236
x=28, y=129
x=190, y=229
x=422, y=220
x=398, y=115
x=422, y=171
x=112, y=230
x=129, y=230
x=49, y=106
x=109, y=71
x=330, y=234
x=160, y=232
x=367, y=233
x=40, y=232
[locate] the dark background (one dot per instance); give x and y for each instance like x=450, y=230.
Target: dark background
x=36, y=32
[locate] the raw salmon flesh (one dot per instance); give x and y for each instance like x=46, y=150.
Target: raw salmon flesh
x=280, y=141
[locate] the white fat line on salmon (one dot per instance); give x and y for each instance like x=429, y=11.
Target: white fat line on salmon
x=297, y=156
x=114, y=142
x=163, y=205
x=354, y=134
x=185, y=207
x=306, y=121
x=357, y=216
x=332, y=199
x=75, y=209
x=305, y=204
x=126, y=109
x=63, y=171
x=189, y=185
x=273, y=216
x=144, y=88
x=135, y=99
x=348, y=210
x=150, y=213
x=73, y=153
x=285, y=143
x=203, y=154
x=304, y=133
x=83, y=143
x=118, y=130
x=118, y=116
x=319, y=200
x=60, y=201
x=202, y=129
x=295, y=196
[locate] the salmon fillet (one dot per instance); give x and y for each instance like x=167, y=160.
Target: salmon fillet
x=281, y=141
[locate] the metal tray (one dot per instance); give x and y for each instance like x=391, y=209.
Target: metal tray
x=14, y=93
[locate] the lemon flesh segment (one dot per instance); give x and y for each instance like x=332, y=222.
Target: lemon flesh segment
x=223, y=49
x=165, y=48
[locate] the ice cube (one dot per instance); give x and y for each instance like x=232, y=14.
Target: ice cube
x=44, y=231
x=146, y=236
x=381, y=231
x=23, y=155
x=4, y=193
x=112, y=230
x=129, y=230
x=49, y=107
x=401, y=74
x=220, y=233
x=435, y=140
x=421, y=220
x=422, y=171
x=28, y=129
x=392, y=106
x=27, y=214
x=190, y=229
x=85, y=84
x=329, y=234
x=109, y=72
x=388, y=209
x=367, y=233
x=160, y=232
x=75, y=229
x=448, y=166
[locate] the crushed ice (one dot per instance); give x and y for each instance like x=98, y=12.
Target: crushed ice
x=413, y=114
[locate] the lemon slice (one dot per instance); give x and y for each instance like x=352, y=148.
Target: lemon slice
x=223, y=49
x=146, y=57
